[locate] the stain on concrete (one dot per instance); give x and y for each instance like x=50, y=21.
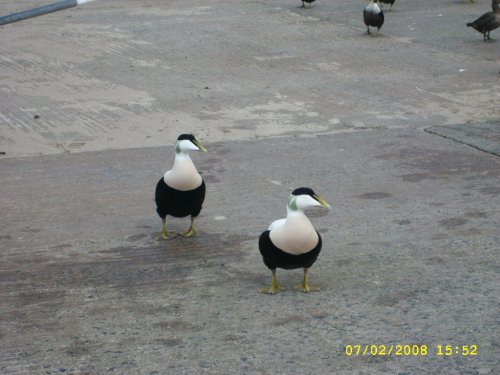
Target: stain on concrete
x=440, y=236
x=177, y=325
x=374, y=195
x=490, y=190
x=61, y=246
x=402, y=222
x=476, y=214
x=434, y=260
x=414, y=177
x=170, y=342
x=290, y=319
x=392, y=299
x=470, y=232
x=137, y=237
x=453, y=222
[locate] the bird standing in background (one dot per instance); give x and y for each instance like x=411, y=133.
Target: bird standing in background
x=307, y=1
x=292, y=242
x=373, y=16
x=488, y=21
x=389, y=2
x=495, y=4
x=181, y=191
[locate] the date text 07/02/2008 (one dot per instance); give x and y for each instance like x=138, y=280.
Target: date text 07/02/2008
x=406, y=350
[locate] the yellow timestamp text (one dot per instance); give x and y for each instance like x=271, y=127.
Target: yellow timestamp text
x=407, y=350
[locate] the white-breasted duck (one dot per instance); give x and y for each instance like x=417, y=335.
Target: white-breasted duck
x=181, y=191
x=292, y=242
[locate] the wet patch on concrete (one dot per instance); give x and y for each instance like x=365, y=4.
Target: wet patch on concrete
x=402, y=222
x=431, y=164
x=290, y=319
x=490, y=190
x=392, y=299
x=62, y=246
x=434, y=260
x=137, y=237
x=31, y=230
x=484, y=136
x=477, y=214
x=470, y=232
x=453, y=222
x=170, y=342
x=414, y=177
x=177, y=325
x=440, y=236
x=374, y=195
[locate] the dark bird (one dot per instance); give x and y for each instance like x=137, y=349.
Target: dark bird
x=307, y=1
x=495, y=4
x=389, y=2
x=181, y=191
x=292, y=242
x=488, y=21
x=373, y=16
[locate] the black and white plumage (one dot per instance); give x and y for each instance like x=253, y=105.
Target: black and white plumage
x=388, y=2
x=307, y=1
x=181, y=191
x=488, y=21
x=373, y=16
x=292, y=242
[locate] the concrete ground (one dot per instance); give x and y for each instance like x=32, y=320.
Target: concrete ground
x=398, y=131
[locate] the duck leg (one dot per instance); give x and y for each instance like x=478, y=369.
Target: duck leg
x=164, y=234
x=275, y=286
x=191, y=232
x=304, y=286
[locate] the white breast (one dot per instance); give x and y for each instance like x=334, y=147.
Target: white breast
x=295, y=236
x=373, y=8
x=183, y=175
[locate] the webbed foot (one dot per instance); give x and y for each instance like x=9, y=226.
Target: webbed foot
x=191, y=232
x=275, y=286
x=304, y=286
x=166, y=236
x=272, y=289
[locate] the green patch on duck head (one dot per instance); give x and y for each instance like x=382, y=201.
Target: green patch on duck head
x=292, y=204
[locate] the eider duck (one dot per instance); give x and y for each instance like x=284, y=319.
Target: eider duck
x=292, y=242
x=373, y=16
x=488, y=21
x=307, y=1
x=389, y=2
x=181, y=191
